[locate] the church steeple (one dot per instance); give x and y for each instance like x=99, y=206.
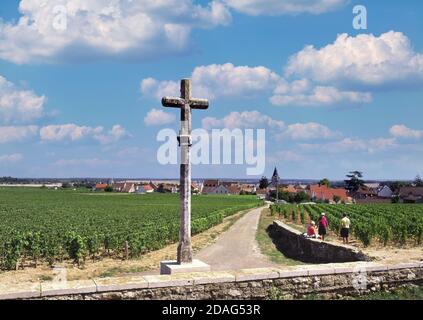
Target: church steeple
x=275, y=183
x=275, y=176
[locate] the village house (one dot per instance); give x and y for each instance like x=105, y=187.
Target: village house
x=153, y=185
x=129, y=187
x=323, y=193
x=100, y=187
x=411, y=194
x=234, y=190
x=118, y=186
x=262, y=193
x=142, y=189
x=290, y=189
x=385, y=192
x=365, y=192
x=220, y=189
x=210, y=183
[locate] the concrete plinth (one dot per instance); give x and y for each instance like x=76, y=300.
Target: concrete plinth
x=173, y=267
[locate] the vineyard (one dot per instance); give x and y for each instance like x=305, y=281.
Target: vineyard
x=397, y=224
x=55, y=225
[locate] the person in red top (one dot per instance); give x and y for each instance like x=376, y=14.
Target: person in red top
x=323, y=226
x=311, y=230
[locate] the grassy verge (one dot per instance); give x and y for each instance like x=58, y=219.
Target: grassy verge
x=265, y=243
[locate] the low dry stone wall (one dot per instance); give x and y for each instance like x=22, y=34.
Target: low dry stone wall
x=333, y=280
x=294, y=245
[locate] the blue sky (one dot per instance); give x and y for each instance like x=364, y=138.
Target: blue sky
x=83, y=100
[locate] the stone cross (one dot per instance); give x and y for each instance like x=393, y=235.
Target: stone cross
x=186, y=103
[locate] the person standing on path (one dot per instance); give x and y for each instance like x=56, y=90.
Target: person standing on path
x=323, y=226
x=345, y=228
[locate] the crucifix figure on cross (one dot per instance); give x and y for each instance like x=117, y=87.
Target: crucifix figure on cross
x=186, y=103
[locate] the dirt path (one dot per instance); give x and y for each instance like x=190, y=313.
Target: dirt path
x=236, y=248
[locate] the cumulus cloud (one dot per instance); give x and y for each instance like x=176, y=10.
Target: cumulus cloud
x=278, y=128
x=158, y=89
x=115, y=134
x=364, y=60
x=157, y=117
x=351, y=145
x=72, y=132
x=304, y=93
x=309, y=131
x=226, y=80
x=217, y=80
x=17, y=133
x=19, y=105
x=402, y=131
x=278, y=7
x=11, y=158
x=75, y=29
x=246, y=119
x=346, y=71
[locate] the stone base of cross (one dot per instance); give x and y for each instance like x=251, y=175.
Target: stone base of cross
x=184, y=261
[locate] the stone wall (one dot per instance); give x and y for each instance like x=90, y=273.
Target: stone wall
x=295, y=282
x=294, y=245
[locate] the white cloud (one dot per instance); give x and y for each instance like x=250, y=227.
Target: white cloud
x=304, y=93
x=18, y=105
x=246, y=119
x=11, y=158
x=75, y=29
x=361, y=60
x=113, y=135
x=73, y=132
x=218, y=80
x=159, y=89
x=17, y=133
x=226, y=80
x=309, y=131
x=402, y=131
x=351, y=145
x=279, y=130
x=278, y=7
x=157, y=117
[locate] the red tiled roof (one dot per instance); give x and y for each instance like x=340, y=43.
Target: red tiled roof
x=101, y=186
x=234, y=189
x=324, y=193
x=290, y=189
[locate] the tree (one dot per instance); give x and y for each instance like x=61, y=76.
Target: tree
x=66, y=185
x=301, y=197
x=395, y=186
x=325, y=182
x=264, y=183
x=418, y=182
x=161, y=188
x=108, y=189
x=354, y=182
x=336, y=198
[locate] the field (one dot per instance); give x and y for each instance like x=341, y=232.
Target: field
x=50, y=225
x=397, y=224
